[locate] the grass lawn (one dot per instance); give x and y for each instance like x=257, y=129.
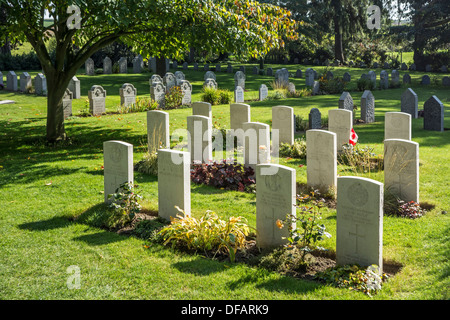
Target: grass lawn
x=42, y=188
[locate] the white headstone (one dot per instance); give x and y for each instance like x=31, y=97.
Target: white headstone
x=25, y=82
x=89, y=67
x=174, y=183
x=202, y=109
x=67, y=103
x=200, y=142
x=118, y=165
x=397, y=125
x=127, y=94
x=74, y=87
x=186, y=91
x=158, y=130
x=401, y=168
x=283, y=121
x=239, y=80
x=321, y=159
x=209, y=75
x=123, y=65
x=170, y=81
x=256, y=143
x=340, y=122
x=275, y=199
x=238, y=94
x=263, y=92
x=40, y=85
x=359, y=222
x=107, y=65
x=97, y=96
x=179, y=76
x=158, y=93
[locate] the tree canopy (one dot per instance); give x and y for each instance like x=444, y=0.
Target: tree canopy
x=153, y=27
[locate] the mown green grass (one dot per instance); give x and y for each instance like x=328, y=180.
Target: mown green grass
x=43, y=188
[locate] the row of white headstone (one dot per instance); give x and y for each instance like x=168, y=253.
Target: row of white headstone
x=40, y=82
x=360, y=201
x=359, y=231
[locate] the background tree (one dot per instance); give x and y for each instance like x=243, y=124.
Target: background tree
x=159, y=28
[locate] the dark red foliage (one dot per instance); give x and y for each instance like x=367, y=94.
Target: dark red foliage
x=226, y=175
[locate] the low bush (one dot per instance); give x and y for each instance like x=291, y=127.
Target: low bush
x=141, y=105
x=331, y=86
x=148, y=164
x=208, y=234
x=216, y=96
x=365, y=84
x=296, y=150
x=354, y=277
x=124, y=204
x=360, y=159
x=224, y=175
x=394, y=206
x=173, y=98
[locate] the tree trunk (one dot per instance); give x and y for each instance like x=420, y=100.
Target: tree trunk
x=261, y=63
x=161, y=66
x=338, y=47
x=56, y=86
x=6, y=47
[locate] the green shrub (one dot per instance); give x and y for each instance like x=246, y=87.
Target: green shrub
x=141, y=105
x=365, y=84
x=216, y=96
x=149, y=164
x=208, y=234
x=332, y=86
x=173, y=98
x=354, y=277
x=124, y=205
x=278, y=94
x=296, y=150
x=360, y=159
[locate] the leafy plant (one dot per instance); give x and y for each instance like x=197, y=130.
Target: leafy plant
x=141, y=105
x=364, y=84
x=296, y=150
x=354, y=277
x=331, y=86
x=360, y=159
x=304, y=227
x=148, y=164
x=173, y=98
x=124, y=204
x=208, y=233
x=278, y=94
x=216, y=96
x=225, y=175
x=394, y=206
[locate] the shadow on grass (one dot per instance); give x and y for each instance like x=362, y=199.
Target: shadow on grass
x=100, y=238
x=202, y=266
x=283, y=283
x=45, y=225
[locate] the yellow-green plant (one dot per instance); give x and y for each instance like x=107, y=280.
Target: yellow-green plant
x=208, y=233
x=148, y=164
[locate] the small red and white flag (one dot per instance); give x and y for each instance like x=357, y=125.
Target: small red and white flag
x=353, y=137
